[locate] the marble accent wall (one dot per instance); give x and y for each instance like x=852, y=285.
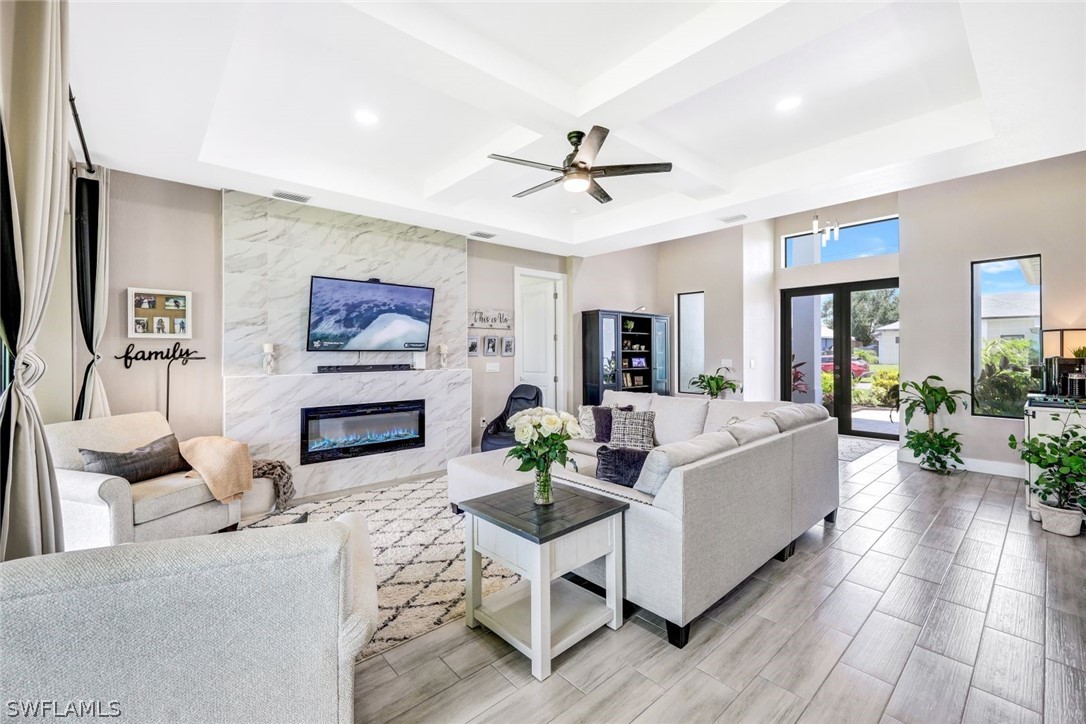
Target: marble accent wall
x=271, y=248
x=265, y=411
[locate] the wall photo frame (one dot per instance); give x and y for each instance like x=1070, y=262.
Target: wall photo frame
x=508, y=346
x=490, y=346
x=473, y=346
x=159, y=314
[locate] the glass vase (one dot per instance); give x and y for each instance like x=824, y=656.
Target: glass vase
x=543, y=490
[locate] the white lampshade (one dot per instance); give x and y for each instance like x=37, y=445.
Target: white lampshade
x=576, y=181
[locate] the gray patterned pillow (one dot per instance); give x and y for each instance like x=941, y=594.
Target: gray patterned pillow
x=587, y=421
x=632, y=429
x=155, y=459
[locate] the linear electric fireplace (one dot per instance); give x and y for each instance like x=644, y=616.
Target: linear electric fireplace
x=347, y=431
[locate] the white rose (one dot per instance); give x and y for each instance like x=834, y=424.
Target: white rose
x=524, y=433
x=513, y=420
x=566, y=417
x=551, y=424
x=573, y=429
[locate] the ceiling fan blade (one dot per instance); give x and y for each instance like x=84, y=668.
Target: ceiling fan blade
x=596, y=191
x=630, y=169
x=522, y=162
x=590, y=146
x=540, y=187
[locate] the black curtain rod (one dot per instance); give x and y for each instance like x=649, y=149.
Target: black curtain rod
x=79, y=128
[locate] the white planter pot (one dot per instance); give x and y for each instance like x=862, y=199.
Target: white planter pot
x=1062, y=521
x=1034, y=505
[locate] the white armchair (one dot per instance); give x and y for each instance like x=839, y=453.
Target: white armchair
x=101, y=510
x=256, y=626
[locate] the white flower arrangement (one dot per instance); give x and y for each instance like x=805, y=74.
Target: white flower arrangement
x=541, y=434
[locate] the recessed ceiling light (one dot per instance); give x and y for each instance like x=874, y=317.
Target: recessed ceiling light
x=366, y=118
x=789, y=104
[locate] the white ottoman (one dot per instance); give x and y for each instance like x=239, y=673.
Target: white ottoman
x=480, y=474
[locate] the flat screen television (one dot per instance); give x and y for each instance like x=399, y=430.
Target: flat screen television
x=346, y=315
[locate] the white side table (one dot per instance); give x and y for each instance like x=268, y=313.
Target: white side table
x=543, y=614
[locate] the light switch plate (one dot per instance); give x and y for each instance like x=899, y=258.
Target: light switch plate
x=493, y=367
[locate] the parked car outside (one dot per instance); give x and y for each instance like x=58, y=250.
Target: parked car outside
x=859, y=366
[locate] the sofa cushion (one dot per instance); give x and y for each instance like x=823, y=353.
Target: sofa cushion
x=587, y=421
x=158, y=497
x=582, y=446
x=722, y=411
x=789, y=417
x=678, y=418
x=756, y=428
x=601, y=416
x=639, y=400
x=632, y=429
x=156, y=458
x=620, y=465
x=662, y=460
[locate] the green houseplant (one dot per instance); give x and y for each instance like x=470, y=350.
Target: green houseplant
x=935, y=448
x=1079, y=352
x=1061, y=483
x=715, y=384
x=541, y=434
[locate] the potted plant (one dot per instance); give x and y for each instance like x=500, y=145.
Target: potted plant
x=799, y=378
x=934, y=448
x=1061, y=483
x=541, y=434
x=716, y=384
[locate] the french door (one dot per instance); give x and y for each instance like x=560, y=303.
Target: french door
x=839, y=348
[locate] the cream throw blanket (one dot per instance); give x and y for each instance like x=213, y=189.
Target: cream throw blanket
x=224, y=464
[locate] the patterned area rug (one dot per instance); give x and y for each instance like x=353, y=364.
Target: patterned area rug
x=852, y=448
x=418, y=547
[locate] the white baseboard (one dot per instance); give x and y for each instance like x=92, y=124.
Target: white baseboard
x=993, y=467
x=976, y=465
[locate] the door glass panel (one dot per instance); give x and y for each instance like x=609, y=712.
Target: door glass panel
x=812, y=349
x=607, y=348
x=873, y=363
x=691, y=306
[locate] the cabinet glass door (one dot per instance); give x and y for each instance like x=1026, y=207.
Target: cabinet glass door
x=608, y=338
x=660, y=346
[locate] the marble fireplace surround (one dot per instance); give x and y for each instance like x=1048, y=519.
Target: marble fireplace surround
x=271, y=248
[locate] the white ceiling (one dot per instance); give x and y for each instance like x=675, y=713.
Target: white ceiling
x=260, y=96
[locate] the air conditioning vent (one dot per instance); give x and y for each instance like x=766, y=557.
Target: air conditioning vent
x=291, y=196
x=482, y=235
x=733, y=219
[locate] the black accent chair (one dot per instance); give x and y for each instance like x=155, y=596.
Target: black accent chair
x=497, y=434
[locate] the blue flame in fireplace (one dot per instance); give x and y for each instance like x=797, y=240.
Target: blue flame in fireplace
x=368, y=438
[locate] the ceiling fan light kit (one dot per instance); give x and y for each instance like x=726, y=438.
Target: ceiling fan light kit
x=577, y=170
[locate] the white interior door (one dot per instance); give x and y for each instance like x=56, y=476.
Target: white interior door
x=537, y=333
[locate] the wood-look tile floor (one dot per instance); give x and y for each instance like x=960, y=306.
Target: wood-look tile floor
x=933, y=599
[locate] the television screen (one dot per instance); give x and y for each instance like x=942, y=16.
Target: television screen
x=356, y=316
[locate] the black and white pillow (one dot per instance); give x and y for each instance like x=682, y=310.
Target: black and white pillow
x=633, y=429
x=620, y=465
x=153, y=460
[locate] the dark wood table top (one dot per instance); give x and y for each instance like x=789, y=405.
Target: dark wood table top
x=515, y=511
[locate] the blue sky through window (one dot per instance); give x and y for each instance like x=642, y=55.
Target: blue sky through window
x=998, y=277
x=862, y=240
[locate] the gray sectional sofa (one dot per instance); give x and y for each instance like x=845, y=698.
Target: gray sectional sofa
x=736, y=483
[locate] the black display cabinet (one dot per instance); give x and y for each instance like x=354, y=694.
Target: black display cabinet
x=624, y=351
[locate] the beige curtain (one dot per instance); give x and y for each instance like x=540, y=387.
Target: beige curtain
x=35, y=190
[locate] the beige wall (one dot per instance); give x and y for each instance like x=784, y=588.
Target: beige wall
x=165, y=235
x=1035, y=208
x=622, y=280
x=710, y=263
x=490, y=286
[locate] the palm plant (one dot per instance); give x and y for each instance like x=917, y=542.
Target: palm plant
x=716, y=383
x=935, y=448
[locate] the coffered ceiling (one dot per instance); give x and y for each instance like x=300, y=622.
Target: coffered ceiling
x=260, y=96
